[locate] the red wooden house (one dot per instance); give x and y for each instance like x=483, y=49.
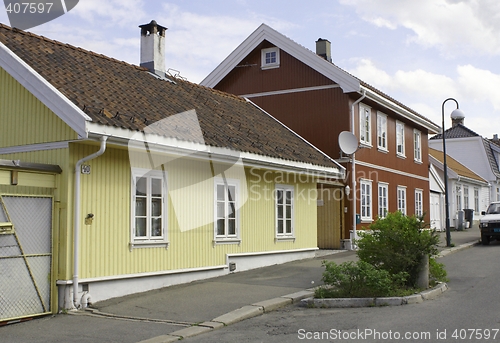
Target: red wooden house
x=318, y=100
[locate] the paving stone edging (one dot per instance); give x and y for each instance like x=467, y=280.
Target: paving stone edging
x=372, y=302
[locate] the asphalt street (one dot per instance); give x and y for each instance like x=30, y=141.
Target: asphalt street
x=467, y=312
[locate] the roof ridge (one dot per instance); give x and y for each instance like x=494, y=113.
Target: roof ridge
x=67, y=45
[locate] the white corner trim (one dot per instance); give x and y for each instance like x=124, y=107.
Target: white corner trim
x=43, y=91
x=347, y=82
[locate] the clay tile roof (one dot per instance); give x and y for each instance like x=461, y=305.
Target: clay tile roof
x=119, y=94
x=454, y=165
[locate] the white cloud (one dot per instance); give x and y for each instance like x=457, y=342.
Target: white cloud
x=477, y=91
x=453, y=27
x=480, y=85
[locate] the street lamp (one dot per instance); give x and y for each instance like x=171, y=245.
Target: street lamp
x=456, y=113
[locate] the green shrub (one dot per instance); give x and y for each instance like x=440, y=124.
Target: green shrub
x=358, y=279
x=396, y=244
x=437, y=271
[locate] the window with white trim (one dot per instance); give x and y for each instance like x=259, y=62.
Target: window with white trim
x=270, y=58
x=417, y=146
x=284, y=211
x=365, y=124
x=402, y=199
x=148, y=214
x=466, y=197
x=476, y=199
x=419, y=196
x=226, y=223
x=382, y=131
x=383, y=199
x=366, y=199
x=400, y=139
x=458, y=191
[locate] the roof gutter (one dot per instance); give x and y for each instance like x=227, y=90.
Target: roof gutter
x=76, y=227
x=432, y=127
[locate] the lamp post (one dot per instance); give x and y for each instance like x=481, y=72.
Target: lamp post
x=456, y=113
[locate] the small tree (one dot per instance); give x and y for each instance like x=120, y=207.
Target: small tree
x=398, y=243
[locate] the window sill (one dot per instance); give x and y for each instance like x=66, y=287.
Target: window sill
x=401, y=156
x=365, y=145
x=385, y=151
x=270, y=66
x=135, y=245
x=284, y=239
x=366, y=220
x=219, y=241
x=417, y=161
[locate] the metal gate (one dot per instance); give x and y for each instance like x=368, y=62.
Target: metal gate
x=25, y=256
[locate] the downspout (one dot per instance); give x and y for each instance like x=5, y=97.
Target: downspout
x=353, y=176
x=76, y=227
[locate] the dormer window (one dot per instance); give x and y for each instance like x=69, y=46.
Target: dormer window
x=270, y=58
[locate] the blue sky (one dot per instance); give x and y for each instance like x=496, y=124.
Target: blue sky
x=419, y=52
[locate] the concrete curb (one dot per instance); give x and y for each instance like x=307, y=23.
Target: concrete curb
x=305, y=298
x=448, y=251
x=371, y=302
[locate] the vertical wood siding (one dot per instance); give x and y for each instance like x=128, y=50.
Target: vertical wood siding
x=106, y=193
x=26, y=120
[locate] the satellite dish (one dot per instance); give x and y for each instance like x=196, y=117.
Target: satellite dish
x=348, y=142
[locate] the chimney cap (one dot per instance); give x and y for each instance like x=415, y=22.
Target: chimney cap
x=152, y=27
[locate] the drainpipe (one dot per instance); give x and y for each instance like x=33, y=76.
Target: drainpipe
x=353, y=176
x=76, y=227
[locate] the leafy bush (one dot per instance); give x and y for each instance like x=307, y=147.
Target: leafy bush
x=396, y=244
x=358, y=279
x=437, y=271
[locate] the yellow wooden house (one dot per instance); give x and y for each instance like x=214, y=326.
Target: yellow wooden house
x=117, y=179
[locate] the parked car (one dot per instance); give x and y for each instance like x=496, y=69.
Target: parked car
x=489, y=224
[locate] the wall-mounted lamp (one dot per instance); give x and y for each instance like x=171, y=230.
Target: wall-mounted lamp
x=347, y=190
x=89, y=218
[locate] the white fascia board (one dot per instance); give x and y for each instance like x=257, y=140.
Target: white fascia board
x=44, y=91
x=169, y=145
x=434, y=174
x=432, y=127
x=347, y=82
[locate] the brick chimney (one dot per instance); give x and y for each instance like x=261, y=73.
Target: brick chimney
x=324, y=49
x=153, y=47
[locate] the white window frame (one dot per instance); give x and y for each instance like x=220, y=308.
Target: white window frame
x=400, y=139
x=476, y=199
x=417, y=146
x=458, y=191
x=148, y=240
x=383, y=199
x=273, y=64
x=419, y=202
x=286, y=189
x=227, y=237
x=365, y=125
x=466, y=197
x=365, y=200
x=402, y=199
x=382, y=131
